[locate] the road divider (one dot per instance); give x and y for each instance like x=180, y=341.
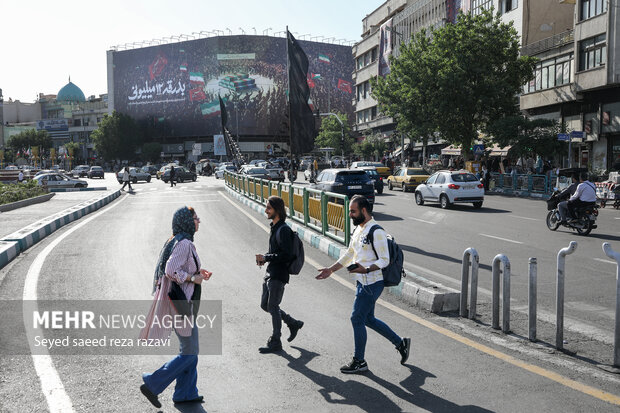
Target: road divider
x=33, y=233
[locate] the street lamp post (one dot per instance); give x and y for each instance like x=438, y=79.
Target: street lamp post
x=341, y=130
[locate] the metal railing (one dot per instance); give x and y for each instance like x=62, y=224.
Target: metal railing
x=556, y=40
x=529, y=183
x=324, y=212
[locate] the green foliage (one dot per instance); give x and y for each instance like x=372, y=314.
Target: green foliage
x=72, y=147
x=28, y=139
x=330, y=134
x=527, y=137
x=118, y=136
x=151, y=151
x=370, y=147
x=457, y=80
x=17, y=192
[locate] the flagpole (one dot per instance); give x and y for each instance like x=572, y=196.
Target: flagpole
x=290, y=130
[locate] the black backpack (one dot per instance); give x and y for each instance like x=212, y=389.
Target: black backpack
x=295, y=266
x=394, y=272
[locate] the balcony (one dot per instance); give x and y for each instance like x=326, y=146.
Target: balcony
x=549, y=43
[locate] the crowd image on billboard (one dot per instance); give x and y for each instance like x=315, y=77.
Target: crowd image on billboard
x=176, y=86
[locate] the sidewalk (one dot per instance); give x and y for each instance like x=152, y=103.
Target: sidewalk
x=23, y=227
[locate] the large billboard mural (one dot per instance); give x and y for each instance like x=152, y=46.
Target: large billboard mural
x=175, y=87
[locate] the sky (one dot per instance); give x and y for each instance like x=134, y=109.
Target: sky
x=45, y=42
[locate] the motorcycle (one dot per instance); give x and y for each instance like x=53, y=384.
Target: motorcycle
x=583, y=223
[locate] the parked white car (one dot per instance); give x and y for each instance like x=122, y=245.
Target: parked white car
x=451, y=187
x=219, y=173
x=54, y=180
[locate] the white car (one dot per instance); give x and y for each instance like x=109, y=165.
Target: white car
x=135, y=175
x=219, y=173
x=54, y=180
x=451, y=187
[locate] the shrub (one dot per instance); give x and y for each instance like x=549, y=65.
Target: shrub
x=16, y=192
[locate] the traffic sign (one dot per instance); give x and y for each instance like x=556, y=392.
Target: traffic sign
x=563, y=137
x=577, y=134
x=478, y=149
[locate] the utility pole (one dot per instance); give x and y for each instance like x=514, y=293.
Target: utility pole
x=341, y=130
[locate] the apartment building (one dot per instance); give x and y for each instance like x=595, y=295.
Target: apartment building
x=578, y=82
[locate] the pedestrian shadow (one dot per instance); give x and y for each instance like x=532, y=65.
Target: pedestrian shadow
x=442, y=257
x=380, y=216
x=411, y=390
x=355, y=393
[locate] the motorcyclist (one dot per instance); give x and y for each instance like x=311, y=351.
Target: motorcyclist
x=565, y=195
x=584, y=195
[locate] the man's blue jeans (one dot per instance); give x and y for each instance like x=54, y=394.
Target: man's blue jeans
x=182, y=368
x=364, y=315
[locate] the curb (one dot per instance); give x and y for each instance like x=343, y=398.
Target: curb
x=31, y=234
x=25, y=202
x=8, y=251
x=414, y=289
x=101, y=188
x=520, y=194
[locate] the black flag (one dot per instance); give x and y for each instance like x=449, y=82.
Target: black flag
x=302, y=124
x=223, y=112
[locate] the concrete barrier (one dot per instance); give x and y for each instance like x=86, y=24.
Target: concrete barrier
x=25, y=202
x=8, y=251
x=101, y=188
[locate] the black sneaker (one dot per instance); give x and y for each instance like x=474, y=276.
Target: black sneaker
x=294, y=328
x=273, y=345
x=152, y=397
x=355, y=366
x=403, y=349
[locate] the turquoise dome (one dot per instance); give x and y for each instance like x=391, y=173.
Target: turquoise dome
x=71, y=93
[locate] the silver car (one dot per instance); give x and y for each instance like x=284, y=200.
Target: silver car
x=54, y=180
x=135, y=175
x=451, y=187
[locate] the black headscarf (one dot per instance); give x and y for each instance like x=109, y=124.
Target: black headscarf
x=183, y=227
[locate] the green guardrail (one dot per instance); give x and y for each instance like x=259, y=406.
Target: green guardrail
x=324, y=212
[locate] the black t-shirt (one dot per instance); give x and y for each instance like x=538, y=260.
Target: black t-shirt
x=280, y=253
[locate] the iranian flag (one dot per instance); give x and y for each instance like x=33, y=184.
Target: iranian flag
x=311, y=83
x=324, y=58
x=196, y=77
x=344, y=86
x=311, y=104
x=197, y=94
x=210, y=109
x=183, y=67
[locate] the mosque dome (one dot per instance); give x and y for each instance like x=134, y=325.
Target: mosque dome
x=70, y=93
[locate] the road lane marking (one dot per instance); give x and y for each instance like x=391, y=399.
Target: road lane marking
x=502, y=239
x=604, y=260
x=531, y=219
x=558, y=378
x=51, y=385
x=422, y=220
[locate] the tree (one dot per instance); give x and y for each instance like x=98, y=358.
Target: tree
x=458, y=80
x=151, y=151
x=330, y=134
x=28, y=139
x=118, y=136
x=527, y=136
x=372, y=146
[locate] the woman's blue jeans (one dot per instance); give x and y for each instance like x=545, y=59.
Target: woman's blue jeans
x=364, y=316
x=182, y=368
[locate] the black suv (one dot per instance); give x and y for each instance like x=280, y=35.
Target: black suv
x=346, y=182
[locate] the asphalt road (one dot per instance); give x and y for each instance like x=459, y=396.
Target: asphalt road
x=112, y=256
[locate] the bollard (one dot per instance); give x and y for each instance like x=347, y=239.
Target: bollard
x=559, y=299
x=506, y=293
x=616, y=256
x=469, y=252
x=532, y=294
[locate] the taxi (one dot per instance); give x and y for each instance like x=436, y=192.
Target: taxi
x=407, y=178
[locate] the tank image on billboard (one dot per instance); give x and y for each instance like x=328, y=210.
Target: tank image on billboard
x=174, y=87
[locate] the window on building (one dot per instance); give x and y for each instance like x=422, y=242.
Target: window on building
x=591, y=8
x=551, y=73
x=366, y=90
x=360, y=62
x=360, y=117
x=592, y=52
x=478, y=6
x=77, y=122
x=373, y=55
x=509, y=5
x=373, y=112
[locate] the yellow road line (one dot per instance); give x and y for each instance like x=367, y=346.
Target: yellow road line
x=583, y=388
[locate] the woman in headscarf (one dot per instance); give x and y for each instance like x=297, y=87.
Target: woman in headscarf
x=178, y=263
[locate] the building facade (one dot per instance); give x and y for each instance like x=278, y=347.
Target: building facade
x=577, y=82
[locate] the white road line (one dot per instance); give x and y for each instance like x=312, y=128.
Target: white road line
x=51, y=385
x=502, y=239
x=531, y=219
x=604, y=260
x=422, y=220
